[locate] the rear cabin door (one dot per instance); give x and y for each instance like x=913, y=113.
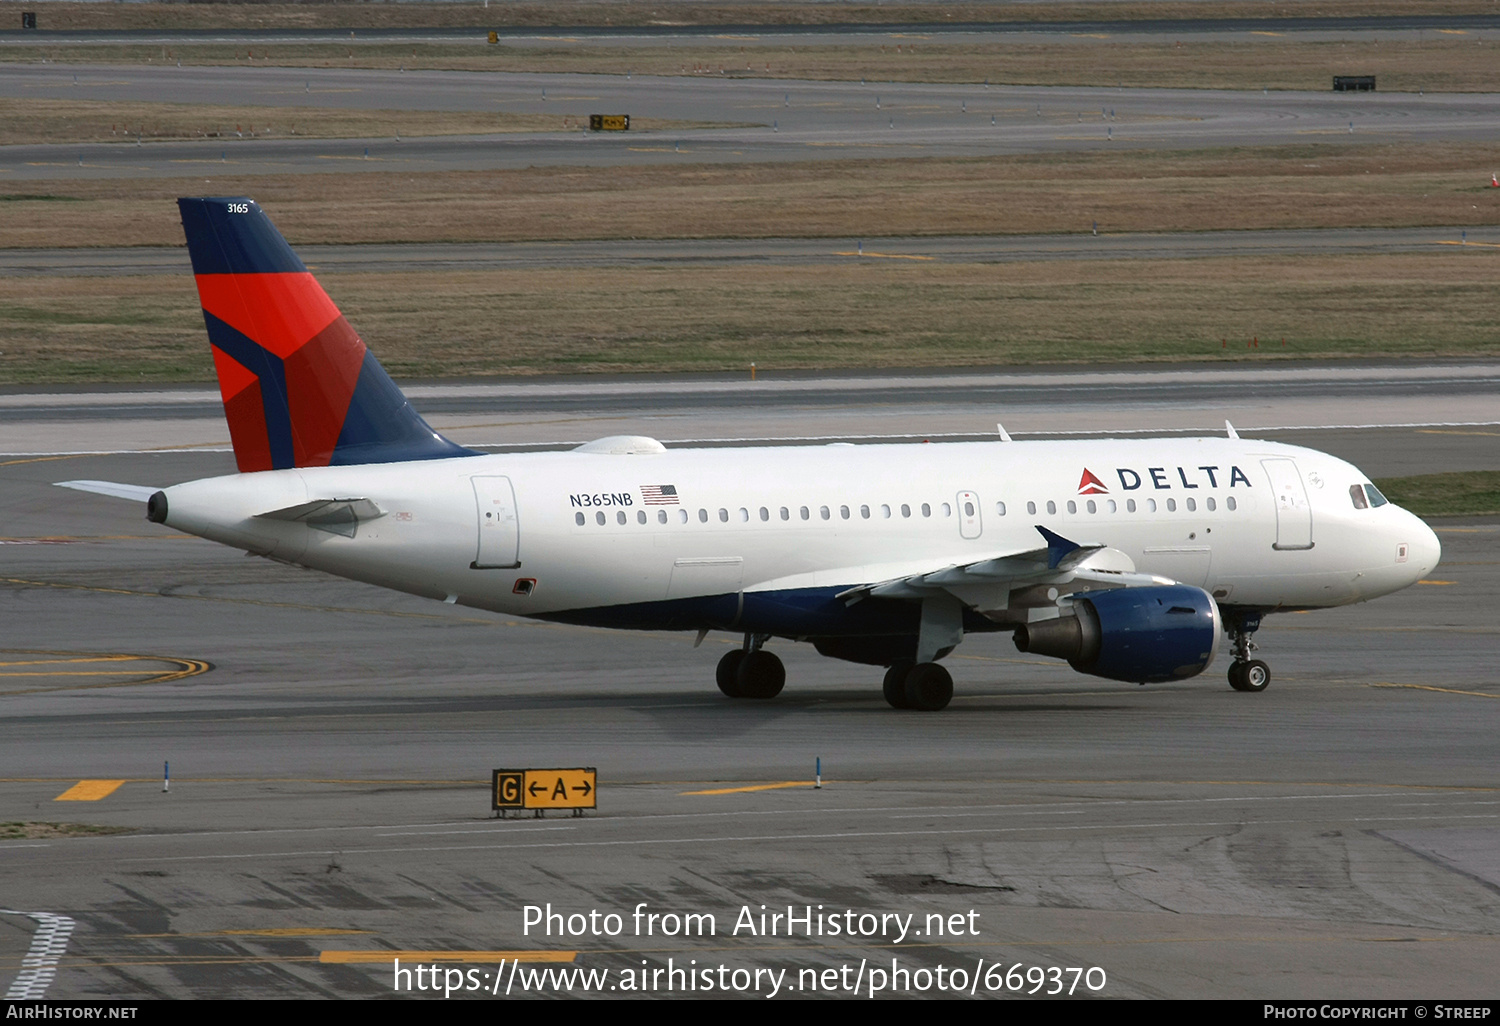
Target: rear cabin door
x=499, y=527
x=1293, y=511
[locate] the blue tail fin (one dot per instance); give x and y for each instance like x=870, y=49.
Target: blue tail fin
x=299, y=387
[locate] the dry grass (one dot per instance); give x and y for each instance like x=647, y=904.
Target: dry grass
x=350, y=14
x=860, y=314
x=1442, y=63
x=70, y=121
x=1470, y=493
x=34, y=831
x=1287, y=187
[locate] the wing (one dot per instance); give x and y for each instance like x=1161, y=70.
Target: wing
x=1006, y=588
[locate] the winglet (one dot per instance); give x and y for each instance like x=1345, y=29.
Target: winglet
x=1230, y=428
x=1004, y=435
x=1058, y=547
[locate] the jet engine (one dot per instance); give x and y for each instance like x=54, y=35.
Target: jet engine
x=1161, y=632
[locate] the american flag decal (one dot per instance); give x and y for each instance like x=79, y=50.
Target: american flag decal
x=659, y=495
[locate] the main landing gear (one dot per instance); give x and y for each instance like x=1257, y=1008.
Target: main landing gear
x=1246, y=674
x=926, y=687
x=751, y=672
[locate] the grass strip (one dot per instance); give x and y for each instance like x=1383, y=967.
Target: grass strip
x=1466, y=493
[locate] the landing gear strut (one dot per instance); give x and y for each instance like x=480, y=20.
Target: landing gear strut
x=926, y=687
x=1246, y=674
x=751, y=671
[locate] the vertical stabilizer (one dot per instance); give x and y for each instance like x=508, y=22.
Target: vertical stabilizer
x=299, y=387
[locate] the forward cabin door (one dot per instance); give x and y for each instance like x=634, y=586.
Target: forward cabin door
x=499, y=527
x=1293, y=511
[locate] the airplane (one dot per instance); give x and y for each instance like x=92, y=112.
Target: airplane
x=886, y=555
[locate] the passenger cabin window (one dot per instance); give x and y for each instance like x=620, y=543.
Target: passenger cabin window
x=1211, y=504
x=968, y=509
x=1110, y=503
x=661, y=516
x=905, y=510
x=765, y=514
x=947, y=510
x=1000, y=508
x=1230, y=503
x=1051, y=508
x=1171, y=505
x=620, y=517
x=926, y=510
x=640, y=516
x=1129, y=505
x=703, y=516
x=1376, y=499
x=1093, y=507
x=744, y=515
x=786, y=514
x=1072, y=506
x=578, y=519
x=844, y=512
x=723, y=515
x=1150, y=505
x=599, y=517
x=682, y=516
x=823, y=512
x=864, y=512
x=1192, y=505
x=885, y=511
x=804, y=513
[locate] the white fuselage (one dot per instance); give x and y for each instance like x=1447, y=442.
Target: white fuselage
x=1257, y=524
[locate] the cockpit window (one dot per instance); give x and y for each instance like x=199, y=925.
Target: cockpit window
x=1376, y=499
x=1357, y=493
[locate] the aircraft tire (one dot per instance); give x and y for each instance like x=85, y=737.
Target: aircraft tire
x=895, y=685
x=727, y=673
x=1256, y=676
x=760, y=675
x=929, y=687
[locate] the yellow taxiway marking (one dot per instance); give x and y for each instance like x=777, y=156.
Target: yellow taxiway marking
x=752, y=787
x=176, y=669
x=1454, y=32
x=43, y=459
x=1429, y=687
x=1450, y=242
x=1437, y=582
x=350, y=957
x=1255, y=33
x=1090, y=35
x=882, y=256
x=89, y=790
x=1435, y=431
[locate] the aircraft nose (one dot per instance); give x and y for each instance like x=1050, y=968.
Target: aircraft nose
x=1426, y=549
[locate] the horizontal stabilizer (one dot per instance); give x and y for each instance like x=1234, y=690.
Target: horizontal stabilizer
x=317, y=509
x=139, y=493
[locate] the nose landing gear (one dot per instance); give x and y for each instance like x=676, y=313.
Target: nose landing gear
x=1246, y=674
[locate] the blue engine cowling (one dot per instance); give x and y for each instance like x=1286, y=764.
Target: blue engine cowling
x=1162, y=632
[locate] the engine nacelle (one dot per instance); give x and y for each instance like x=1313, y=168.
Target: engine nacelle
x=1164, y=632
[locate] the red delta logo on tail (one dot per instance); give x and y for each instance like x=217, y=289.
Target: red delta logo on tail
x=1091, y=485
x=299, y=387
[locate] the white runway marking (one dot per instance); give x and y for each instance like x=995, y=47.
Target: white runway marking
x=48, y=945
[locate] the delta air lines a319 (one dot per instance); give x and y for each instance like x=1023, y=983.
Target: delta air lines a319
x=1128, y=559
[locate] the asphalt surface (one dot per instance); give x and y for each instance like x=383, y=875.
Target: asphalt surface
x=787, y=120
x=826, y=34
x=148, y=260
x=1331, y=837
x=1451, y=408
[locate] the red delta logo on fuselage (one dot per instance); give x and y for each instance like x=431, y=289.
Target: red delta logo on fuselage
x=1090, y=484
